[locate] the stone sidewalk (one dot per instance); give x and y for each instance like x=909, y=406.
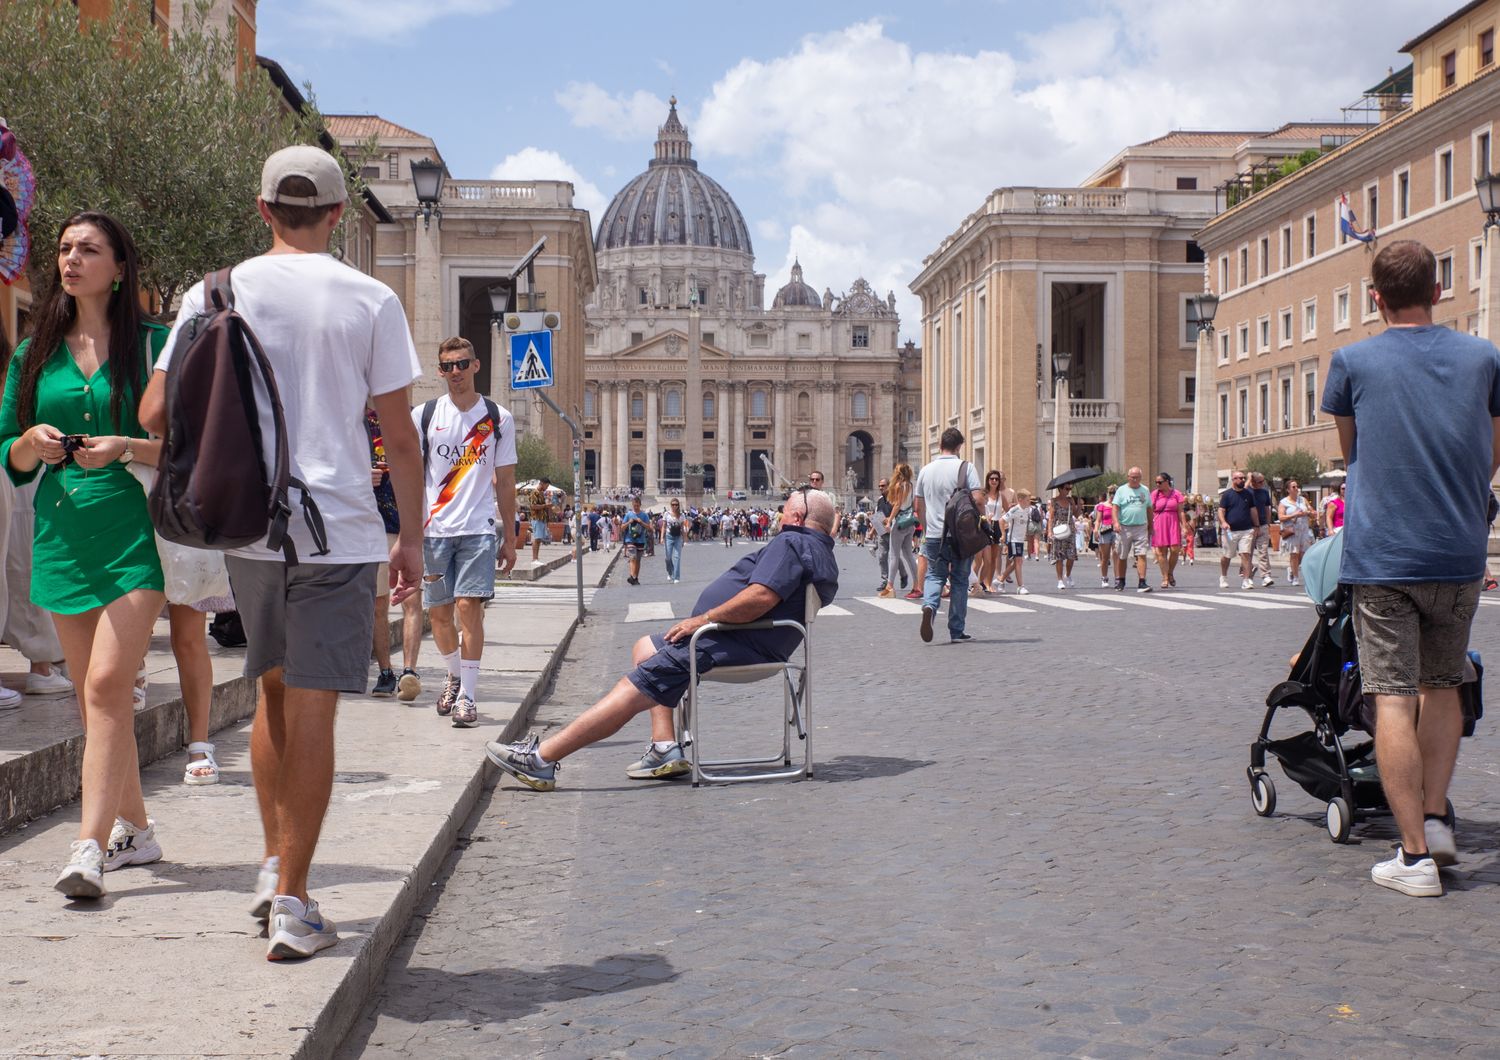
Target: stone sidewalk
x=171, y=964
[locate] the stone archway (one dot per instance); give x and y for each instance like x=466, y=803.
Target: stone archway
x=859, y=456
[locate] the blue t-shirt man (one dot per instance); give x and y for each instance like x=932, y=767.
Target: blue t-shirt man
x=1239, y=508
x=1424, y=400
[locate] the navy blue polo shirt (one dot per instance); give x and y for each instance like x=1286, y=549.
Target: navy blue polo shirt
x=1237, y=506
x=796, y=556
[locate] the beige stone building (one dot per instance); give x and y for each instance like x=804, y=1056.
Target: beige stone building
x=686, y=366
x=443, y=266
x=1294, y=287
x=1102, y=272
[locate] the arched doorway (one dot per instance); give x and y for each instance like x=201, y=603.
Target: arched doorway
x=637, y=476
x=710, y=477
x=474, y=325
x=859, y=454
x=671, y=469
x=758, y=478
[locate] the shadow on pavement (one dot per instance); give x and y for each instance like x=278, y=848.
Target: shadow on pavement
x=864, y=767
x=499, y=995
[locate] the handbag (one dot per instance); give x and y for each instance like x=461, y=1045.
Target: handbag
x=189, y=574
x=906, y=518
x=1061, y=531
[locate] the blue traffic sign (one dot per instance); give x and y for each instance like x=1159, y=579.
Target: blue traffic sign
x=530, y=360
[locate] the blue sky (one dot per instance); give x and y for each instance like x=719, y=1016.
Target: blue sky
x=853, y=137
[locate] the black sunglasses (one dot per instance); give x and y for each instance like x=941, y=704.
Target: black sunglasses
x=444, y=367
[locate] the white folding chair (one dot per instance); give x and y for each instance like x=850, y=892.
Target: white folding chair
x=796, y=681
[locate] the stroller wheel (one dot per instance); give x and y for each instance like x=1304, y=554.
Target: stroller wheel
x=1340, y=819
x=1262, y=794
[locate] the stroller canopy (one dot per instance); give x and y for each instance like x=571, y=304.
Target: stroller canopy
x=1320, y=568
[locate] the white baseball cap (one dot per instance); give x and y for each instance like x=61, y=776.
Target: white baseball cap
x=304, y=160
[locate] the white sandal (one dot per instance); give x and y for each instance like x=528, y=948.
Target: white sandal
x=207, y=762
x=138, y=692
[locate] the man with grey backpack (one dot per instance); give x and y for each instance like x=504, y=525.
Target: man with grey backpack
x=948, y=560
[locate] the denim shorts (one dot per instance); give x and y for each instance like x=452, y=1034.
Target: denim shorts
x=539, y=532
x=458, y=566
x=1413, y=635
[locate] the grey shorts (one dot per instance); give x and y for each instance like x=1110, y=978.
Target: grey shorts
x=315, y=621
x=1414, y=635
x=1132, y=541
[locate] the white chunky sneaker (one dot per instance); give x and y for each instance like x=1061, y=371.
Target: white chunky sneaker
x=129, y=845
x=83, y=876
x=298, y=930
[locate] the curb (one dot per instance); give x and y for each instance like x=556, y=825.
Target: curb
x=344, y=1007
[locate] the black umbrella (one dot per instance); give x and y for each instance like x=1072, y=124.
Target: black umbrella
x=1077, y=474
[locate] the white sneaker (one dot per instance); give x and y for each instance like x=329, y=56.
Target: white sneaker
x=298, y=930
x=1105, y=583
x=1070, y=581
x=265, y=888
x=1223, y=582
x=1267, y=582
x=1440, y=842
x=129, y=845
x=84, y=875
x=1296, y=581
x=1023, y=591
x=53, y=684
x=1061, y=584
x=10, y=699
x=1246, y=583
x=1420, y=880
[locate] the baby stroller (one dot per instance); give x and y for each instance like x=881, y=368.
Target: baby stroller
x=1331, y=763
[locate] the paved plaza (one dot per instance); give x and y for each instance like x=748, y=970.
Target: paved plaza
x=1037, y=843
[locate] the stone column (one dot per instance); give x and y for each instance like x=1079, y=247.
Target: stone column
x=721, y=436
x=885, y=437
x=653, y=455
x=604, y=468
x=830, y=458
x=737, y=448
x=1205, y=478
x=780, y=437
x=622, y=433
x=427, y=306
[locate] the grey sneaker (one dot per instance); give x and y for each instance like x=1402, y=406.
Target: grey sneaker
x=660, y=765
x=385, y=685
x=409, y=687
x=266, y=881
x=519, y=759
x=448, y=696
x=129, y=845
x=298, y=930
x=83, y=876
x=465, y=714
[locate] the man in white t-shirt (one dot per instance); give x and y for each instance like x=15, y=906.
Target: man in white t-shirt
x=335, y=338
x=936, y=482
x=470, y=454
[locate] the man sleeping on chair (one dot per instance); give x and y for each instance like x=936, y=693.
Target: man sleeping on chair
x=768, y=584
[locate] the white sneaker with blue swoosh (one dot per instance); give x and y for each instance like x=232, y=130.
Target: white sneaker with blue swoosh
x=298, y=930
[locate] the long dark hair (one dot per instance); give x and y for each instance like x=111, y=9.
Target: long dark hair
x=58, y=312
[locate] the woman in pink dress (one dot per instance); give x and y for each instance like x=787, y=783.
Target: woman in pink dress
x=1167, y=515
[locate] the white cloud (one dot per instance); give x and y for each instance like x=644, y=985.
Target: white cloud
x=877, y=150
x=665, y=67
x=385, y=19
x=619, y=117
x=535, y=163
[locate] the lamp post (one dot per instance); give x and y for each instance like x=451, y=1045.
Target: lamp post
x=1205, y=308
x=1062, y=414
x=1487, y=190
x=427, y=177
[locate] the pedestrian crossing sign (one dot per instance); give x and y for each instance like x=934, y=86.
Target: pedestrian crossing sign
x=530, y=360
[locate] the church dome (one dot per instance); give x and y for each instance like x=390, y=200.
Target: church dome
x=673, y=203
x=797, y=293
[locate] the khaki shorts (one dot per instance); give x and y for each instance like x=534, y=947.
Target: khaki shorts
x=1414, y=635
x=1132, y=541
x=1238, y=542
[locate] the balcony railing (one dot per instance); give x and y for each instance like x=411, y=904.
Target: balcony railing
x=1085, y=410
x=520, y=193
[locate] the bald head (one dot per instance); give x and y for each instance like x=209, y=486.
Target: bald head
x=812, y=508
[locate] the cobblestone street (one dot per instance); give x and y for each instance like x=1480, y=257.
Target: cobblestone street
x=1038, y=843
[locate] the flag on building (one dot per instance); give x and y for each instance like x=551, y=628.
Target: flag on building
x=1349, y=224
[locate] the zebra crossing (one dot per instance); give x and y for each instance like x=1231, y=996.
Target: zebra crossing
x=541, y=596
x=1035, y=604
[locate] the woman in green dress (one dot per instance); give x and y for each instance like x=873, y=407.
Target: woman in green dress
x=70, y=404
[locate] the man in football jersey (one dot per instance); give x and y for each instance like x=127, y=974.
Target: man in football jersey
x=469, y=450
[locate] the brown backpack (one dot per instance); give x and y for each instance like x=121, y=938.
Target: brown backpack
x=963, y=523
x=212, y=490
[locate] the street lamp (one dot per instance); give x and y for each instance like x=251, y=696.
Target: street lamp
x=1061, y=362
x=1205, y=307
x=1487, y=188
x=427, y=176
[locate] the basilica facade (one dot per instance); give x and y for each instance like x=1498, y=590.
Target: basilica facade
x=685, y=366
